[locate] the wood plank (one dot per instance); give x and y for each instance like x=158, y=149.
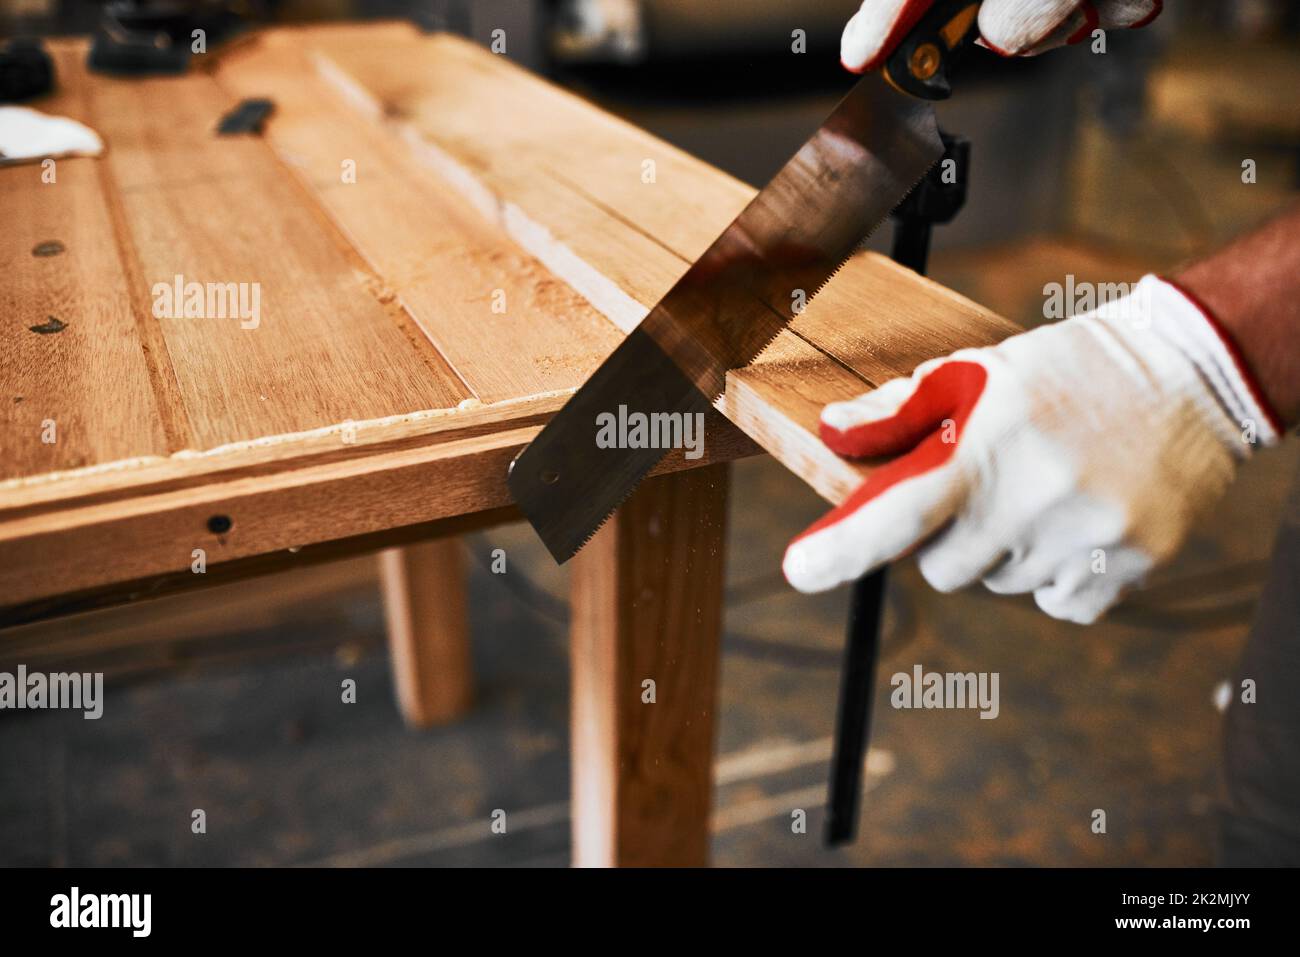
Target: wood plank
x=559, y=176
x=778, y=403
x=326, y=347
x=501, y=320
x=242, y=515
x=647, y=606
x=501, y=121
x=183, y=583
x=26, y=496
x=60, y=259
x=90, y=378
x=564, y=180
x=428, y=630
x=153, y=533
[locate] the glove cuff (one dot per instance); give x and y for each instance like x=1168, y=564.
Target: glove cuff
x=1183, y=317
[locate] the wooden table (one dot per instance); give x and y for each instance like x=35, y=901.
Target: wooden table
x=442, y=247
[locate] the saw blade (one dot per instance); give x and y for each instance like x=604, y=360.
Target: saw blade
x=749, y=284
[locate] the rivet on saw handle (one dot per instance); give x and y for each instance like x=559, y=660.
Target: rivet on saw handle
x=919, y=65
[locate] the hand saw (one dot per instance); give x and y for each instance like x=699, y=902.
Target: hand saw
x=755, y=277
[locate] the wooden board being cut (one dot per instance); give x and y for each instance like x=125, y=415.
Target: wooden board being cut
x=621, y=215
x=446, y=247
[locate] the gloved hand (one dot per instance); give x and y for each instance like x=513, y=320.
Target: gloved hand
x=1067, y=461
x=1008, y=27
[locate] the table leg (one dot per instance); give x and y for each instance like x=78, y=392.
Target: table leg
x=428, y=631
x=647, y=618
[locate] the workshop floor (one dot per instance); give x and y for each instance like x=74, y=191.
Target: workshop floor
x=1119, y=717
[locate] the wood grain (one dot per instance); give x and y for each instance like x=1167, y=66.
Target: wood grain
x=90, y=378
x=501, y=320
x=222, y=209
x=647, y=607
x=424, y=588
x=568, y=183
x=154, y=531
x=60, y=261
x=184, y=582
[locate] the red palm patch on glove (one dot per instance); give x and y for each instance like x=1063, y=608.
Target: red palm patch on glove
x=918, y=428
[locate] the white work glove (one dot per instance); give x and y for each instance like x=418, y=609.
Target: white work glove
x=1008, y=27
x=1067, y=461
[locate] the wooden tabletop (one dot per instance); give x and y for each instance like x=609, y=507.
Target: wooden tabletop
x=440, y=248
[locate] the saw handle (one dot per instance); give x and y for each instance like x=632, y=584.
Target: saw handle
x=919, y=65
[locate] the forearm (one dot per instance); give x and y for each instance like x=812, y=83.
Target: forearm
x=1252, y=286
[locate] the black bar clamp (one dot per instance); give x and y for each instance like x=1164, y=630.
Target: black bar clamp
x=936, y=199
